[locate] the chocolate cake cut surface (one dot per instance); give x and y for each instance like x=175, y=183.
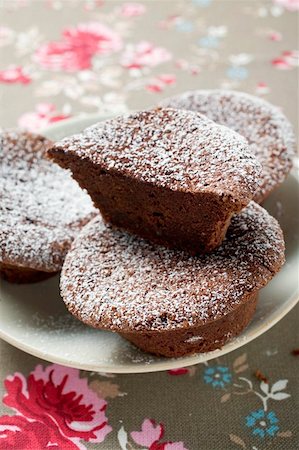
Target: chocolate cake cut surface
x=160, y=298
x=267, y=130
x=174, y=177
x=41, y=208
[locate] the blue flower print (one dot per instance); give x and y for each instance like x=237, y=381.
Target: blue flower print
x=202, y=3
x=262, y=423
x=209, y=42
x=217, y=376
x=184, y=26
x=237, y=73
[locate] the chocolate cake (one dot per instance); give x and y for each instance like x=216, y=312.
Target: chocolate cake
x=267, y=130
x=41, y=209
x=165, y=301
x=174, y=177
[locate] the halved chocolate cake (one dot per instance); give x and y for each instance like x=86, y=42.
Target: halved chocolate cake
x=173, y=177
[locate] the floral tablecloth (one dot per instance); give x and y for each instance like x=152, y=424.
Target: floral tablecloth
x=60, y=58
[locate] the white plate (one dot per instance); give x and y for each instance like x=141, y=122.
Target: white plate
x=34, y=318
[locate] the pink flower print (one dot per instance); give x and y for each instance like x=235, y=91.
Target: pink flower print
x=132, y=9
x=77, y=47
x=275, y=36
x=181, y=371
x=280, y=63
x=56, y=395
x=169, y=22
x=290, y=5
x=154, y=87
x=17, y=432
x=93, y=38
x=159, y=83
x=150, y=435
x=44, y=115
x=167, y=78
x=144, y=54
x=287, y=60
x=90, y=5
x=173, y=446
x=262, y=88
x=185, y=65
x=14, y=74
x=62, y=56
x=291, y=57
x=6, y=35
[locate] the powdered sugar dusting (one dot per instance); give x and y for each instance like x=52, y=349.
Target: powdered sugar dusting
x=120, y=282
x=193, y=339
x=42, y=207
x=179, y=150
x=268, y=131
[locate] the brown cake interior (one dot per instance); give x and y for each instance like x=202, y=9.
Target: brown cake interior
x=196, y=222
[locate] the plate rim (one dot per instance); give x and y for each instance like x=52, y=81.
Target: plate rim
x=172, y=363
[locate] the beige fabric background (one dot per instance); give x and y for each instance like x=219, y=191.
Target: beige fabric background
x=225, y=43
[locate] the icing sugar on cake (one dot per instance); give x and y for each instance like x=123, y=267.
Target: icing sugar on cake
x=269, y=133
x=175, y=149
x=116, y=281
x=42, y=208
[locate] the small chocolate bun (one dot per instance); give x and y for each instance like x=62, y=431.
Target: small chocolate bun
x=165, y=301
x=41, y=209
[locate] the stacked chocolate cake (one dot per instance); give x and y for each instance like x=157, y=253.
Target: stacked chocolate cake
x=176, y=259
x=180, y=252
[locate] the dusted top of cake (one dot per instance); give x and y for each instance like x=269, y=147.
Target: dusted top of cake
x=179, y=150
x=116, y=281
